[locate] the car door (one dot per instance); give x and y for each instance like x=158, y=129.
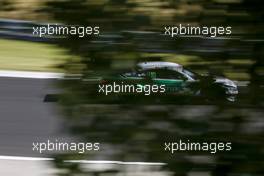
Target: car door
x=173, y=80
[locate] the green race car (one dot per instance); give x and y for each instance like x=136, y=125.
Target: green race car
x=167, y=78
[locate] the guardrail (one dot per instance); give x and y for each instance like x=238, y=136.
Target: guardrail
x=20, y=30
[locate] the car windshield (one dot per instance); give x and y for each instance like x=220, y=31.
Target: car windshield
x=193, y=75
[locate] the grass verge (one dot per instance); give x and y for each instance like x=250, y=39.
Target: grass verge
x=30, y=56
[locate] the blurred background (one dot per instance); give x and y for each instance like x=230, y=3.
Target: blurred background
x=131, y=31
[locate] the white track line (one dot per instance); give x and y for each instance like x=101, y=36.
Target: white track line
x=30, y=74
x=19, y=158
x=114, y=162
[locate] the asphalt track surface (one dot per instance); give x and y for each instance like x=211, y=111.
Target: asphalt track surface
x=25, y=118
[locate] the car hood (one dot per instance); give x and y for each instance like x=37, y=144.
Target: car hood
x=225, y=81
x=218, y=79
